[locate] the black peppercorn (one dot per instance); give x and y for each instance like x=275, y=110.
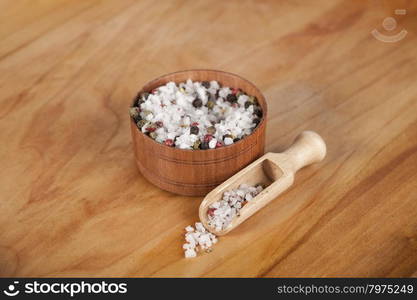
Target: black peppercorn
x=231, y=98
x=204, y=145
x=257, y=111
x=247, y=104
x=236, y=140
x=217, y=94
x=206, y=84
x=145, y=95
x=137, y=118
x=140, y=98
x=256, y=121
x=194, y=130
x=197, y=103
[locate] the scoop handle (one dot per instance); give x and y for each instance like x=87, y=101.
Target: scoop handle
x=307, y=148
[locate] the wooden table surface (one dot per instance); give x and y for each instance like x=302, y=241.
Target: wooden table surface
x=72, y=202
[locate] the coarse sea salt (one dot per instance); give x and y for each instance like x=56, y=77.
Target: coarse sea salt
x=196, y=239
x=196, y=115
x=220, y=215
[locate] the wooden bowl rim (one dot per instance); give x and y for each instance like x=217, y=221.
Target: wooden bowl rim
x=261, y=124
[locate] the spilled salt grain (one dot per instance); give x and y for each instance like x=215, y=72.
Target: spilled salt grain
x=220, y=215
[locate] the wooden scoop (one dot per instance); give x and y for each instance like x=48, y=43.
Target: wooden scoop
x=274, y=171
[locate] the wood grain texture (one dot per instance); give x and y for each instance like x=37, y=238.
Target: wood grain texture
x=190, y=172
x=72, y=202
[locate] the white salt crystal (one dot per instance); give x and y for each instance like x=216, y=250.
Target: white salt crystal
x=198, y=238
x=227, y=208
x=228, y=141
x=212, y=144
x=190, y=253
x=189, y=229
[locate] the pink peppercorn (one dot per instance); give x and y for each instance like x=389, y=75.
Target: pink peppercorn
x=150, y=129
x=210, y=211
x=235, y=91
x=169, y=142
x=194, y=124
x=208, y=137
x=219, y=144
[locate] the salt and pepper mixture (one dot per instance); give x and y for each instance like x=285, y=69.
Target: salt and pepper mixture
x=263, y=180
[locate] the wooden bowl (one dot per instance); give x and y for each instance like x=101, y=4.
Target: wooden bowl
x=197, y=172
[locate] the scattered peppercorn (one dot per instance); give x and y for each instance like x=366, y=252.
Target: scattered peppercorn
x=253, y=100
x=247, y=104
x=197, y=103
x=217, y=94
x=210, y=104
x=235, y=91
x=257, y=111
x=145, y=95
x=211, y=130
x=239, y=93
x=196, y=144
x=231, y=98
x=208, y=138
x=151, y=128
x=211, y=211
x=134, y=112
x=194, y=130
x=141, y=123
x=204, y=145
x=169, y=142
x=206, y=84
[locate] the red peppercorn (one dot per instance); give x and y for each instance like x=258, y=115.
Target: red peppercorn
x=235, y=91
x=219, y=144
x=208, y=137
x=210, y=211
x=150, y=129
x=169, y=142
x=194, y=124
